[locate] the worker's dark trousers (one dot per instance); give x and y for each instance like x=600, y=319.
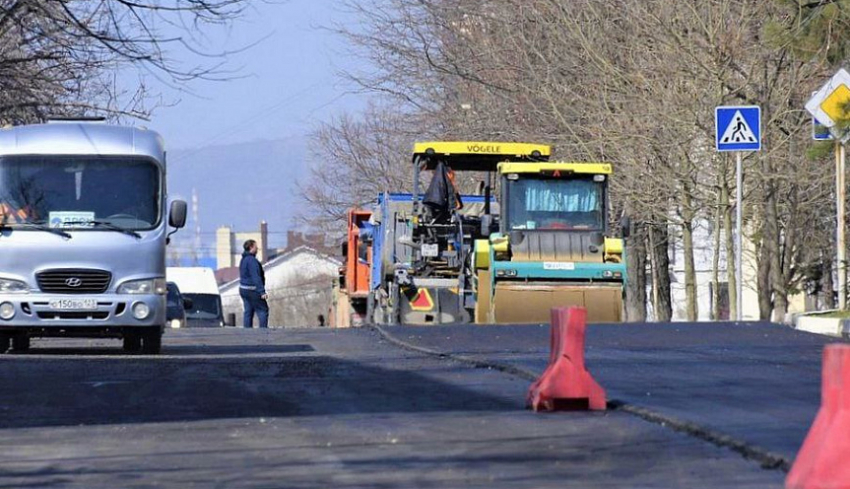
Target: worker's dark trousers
x=253, y=302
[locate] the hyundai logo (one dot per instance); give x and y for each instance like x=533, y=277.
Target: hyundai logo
x=74, y=282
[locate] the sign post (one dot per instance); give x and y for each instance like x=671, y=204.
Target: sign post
x=840, y=235
x=738, y=129
x=829, y=108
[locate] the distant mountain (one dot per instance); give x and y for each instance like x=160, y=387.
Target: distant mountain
x=240, y=185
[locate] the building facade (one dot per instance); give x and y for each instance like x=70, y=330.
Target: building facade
x=703, y=261
x=228, y=245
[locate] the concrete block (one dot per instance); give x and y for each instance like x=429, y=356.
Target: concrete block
x=820, y=325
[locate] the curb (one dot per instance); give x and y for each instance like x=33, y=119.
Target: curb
x=765, y=458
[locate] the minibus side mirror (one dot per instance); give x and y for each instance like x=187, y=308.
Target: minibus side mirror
x=188, y=304
x=177, y=214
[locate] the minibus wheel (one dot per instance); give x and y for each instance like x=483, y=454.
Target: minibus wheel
x=152, y=341
x=132, y=342
x=20, y=342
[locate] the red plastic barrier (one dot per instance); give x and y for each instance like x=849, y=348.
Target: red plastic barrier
x=566, y=384
x=824, y=458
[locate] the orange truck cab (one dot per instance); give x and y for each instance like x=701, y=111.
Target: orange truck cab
x=355, y=274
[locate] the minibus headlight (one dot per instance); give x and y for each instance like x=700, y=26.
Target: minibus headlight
x=141, y=311
x=147, y=286
x=7, y=311
x=11, y=286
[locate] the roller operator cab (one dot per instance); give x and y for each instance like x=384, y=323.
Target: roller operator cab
x=554, y=246
x=85, y=220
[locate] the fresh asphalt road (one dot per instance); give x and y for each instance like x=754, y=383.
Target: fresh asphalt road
x=757, y=382
x=236, y=408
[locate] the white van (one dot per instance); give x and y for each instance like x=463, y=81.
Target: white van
x=199, y=285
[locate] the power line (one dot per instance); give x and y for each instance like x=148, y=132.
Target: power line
x=309, y=293
x=328, y=279
x=245, y=123
x=245, y=232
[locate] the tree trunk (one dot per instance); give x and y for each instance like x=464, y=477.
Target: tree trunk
x=774, y=254
x=692, y=308
x=653, y=270
x=789, y=253
x=765, y=305
x=659, y=239
x=763, y=277
x=636, y=275
x=715, y=262
x=729, y=237
x=827, y=285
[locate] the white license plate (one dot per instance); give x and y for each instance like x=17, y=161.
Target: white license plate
x=73, y=304
x=430, y=250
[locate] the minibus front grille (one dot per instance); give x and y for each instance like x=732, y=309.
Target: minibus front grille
x=74, y=315
x=68, y=281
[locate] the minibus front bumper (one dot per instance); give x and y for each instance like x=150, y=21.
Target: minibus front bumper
x=90, y=312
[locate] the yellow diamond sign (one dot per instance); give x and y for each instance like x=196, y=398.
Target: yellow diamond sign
x=835, y=105
x=829, y=104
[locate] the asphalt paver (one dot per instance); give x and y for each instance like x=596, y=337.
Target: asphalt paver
x=236, y=408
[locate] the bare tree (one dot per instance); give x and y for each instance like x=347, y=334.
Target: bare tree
x=634, y=83
x=61, y=57
x=355, y=160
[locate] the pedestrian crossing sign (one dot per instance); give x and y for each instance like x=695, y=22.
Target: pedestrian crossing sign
x=738, y=128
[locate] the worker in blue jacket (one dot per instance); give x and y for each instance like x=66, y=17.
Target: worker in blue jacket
x=252, y=286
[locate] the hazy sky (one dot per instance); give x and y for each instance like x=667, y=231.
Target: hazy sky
x=289, y=82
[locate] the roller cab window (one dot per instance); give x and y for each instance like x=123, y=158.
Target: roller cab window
x=555, y=204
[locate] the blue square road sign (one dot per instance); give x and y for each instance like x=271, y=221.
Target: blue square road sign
x=819, y=131
x=738, y=128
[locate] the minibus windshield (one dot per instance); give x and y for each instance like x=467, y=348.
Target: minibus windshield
x=79, y=192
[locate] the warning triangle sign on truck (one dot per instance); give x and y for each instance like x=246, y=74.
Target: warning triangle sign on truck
x=422, y=301
x=738, y=131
